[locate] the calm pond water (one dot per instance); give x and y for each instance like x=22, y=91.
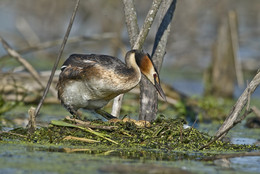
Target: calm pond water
x=18, y=158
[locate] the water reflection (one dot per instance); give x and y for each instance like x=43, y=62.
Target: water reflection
x=43, y=159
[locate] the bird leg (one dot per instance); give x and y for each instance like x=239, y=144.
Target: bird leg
x=105, y=114
x=73, y=112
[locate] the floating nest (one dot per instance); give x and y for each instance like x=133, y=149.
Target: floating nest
x=161, y=134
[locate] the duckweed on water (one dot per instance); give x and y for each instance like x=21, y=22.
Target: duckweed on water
x=162, y=134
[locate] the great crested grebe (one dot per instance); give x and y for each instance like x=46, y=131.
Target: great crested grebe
x=90, y=81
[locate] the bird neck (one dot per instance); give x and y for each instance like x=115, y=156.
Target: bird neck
x=133, y=69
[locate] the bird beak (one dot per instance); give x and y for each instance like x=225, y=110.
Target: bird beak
x=159, y=89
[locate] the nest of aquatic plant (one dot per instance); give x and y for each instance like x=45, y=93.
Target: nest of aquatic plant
x=163, y=134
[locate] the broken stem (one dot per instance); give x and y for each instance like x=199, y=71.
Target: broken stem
x=58, y=58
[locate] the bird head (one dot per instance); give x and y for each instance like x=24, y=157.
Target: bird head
x=148, y=69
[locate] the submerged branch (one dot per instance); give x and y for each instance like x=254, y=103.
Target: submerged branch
x=239, y=106
x=233, y=119
x=247, y=112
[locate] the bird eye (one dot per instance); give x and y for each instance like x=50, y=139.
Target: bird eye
x=155, y=77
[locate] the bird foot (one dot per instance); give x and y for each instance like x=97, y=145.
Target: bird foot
x=105, y=114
